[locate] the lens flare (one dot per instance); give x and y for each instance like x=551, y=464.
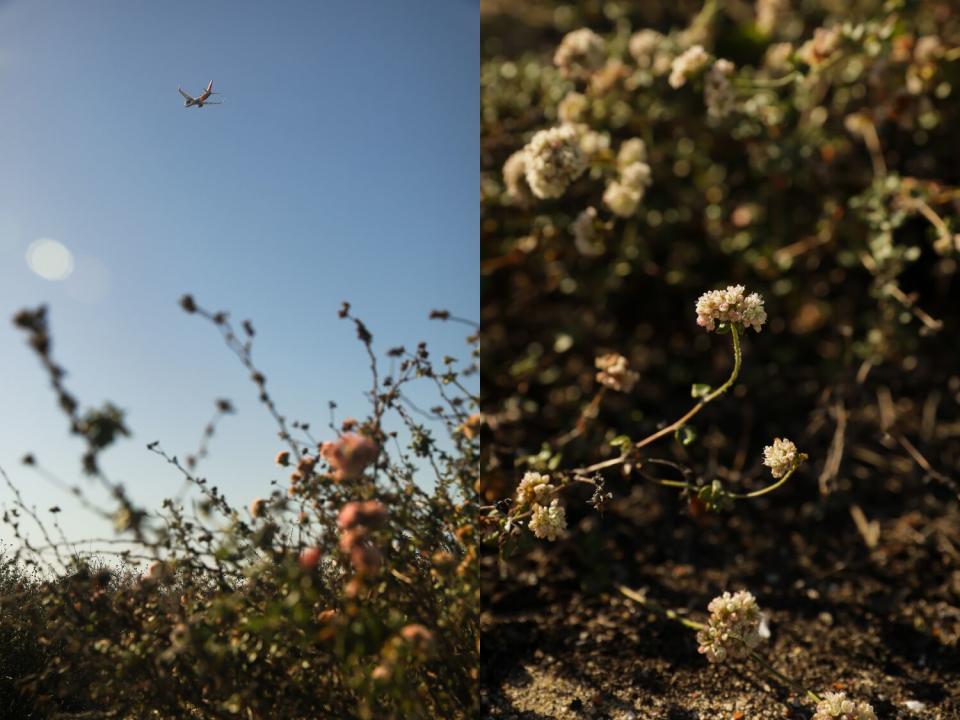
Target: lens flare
x=50, y=259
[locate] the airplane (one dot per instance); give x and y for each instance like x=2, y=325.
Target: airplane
x=201, y=99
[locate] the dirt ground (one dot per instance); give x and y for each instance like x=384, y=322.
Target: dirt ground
x=880, y=622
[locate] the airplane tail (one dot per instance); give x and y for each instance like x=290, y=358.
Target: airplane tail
x=210, y=87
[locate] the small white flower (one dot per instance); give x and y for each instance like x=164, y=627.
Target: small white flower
x=584, y=233
x=781, y=457
x=515, y=178
x=687, y=65
x=636, y=176
x=643, y=47
x=592, y=142
x=622, y=199
x=614, y=372
x=820, y=47
x=553, y=160
x=534, y=488
x=717, y=90
x=733, y=629
x=770, y=13
x=730, y=306
x=631, y=151
x=836, y=706
x=547, y=523
x=572, y=107
x=580, y=54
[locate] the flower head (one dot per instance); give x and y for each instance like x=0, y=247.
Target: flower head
x=371, y=514
x=643, y=47
x=770, y=13
x=309, y=558
x=548, y=522
x=733, y=629
x=631, y=151
x=553, y=160
x=572, y=107
x=730, y=306
x=515, y=178
x=585, y=233
x=257, y=507
x=781, y=457
x=622, y=199
x=836, y=706
x=580, y=54
x=613, y=371
x=687, y=64
x=717, y=90
x=820, y=47
x=349, y=455
x=418, y=638
x=534, y=488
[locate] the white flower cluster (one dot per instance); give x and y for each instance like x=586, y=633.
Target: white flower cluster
x=688, y=64
x=553, y=159
x=733, y=629
x=534, y=488
x=613, y=371
x=836, y=706
x=717, y=90
x=548, y=522
x=580, y=54
x=623, y=195
x=781, y=457
x=730, y=306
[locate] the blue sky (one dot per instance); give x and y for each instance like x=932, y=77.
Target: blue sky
x=341, y=166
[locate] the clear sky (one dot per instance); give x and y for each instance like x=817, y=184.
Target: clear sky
x=341, y=166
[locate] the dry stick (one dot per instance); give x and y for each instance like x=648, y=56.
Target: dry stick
x=835, y=454
x=588, y=412
x=737, y=356
x=693, y=625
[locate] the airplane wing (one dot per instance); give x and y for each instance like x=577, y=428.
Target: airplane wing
x=187, y=97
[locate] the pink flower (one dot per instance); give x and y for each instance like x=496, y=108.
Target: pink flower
x=419, y=638
x=370, y=514
x=309, y=558
x=349, y=455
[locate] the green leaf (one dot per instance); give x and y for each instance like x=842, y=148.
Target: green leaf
x=621, y=441
x=685, y=435
x=699, y=390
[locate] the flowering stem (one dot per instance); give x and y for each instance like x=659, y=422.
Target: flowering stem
x=768, y=82
x=656, y=607
x=737, y=356
x=769, y=488
x=783, y=678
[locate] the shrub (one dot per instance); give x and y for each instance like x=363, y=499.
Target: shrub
x=350, y=593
